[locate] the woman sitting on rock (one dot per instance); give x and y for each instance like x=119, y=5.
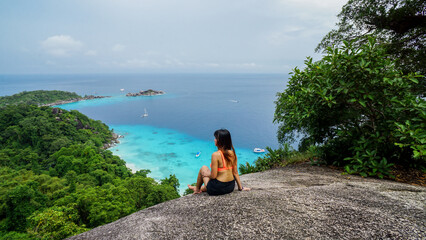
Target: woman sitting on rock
x=224, y=172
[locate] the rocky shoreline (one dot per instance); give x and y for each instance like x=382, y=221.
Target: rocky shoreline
x=114, y=141
x=89, y=97
x=148, y=92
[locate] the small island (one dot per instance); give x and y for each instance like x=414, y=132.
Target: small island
x=44, y=98
x=148, y=92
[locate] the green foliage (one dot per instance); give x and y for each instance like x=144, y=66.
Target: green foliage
x=276, y=158
x=14, y=236
x=38, y=97
x=29, y=133
x=366, y=162
x=139, y=187
x=171, y=181
x=161, y=193
x=357, y=106
x=399, y=27
x=56, y=180
x=54, y=223
x=99, y=205
x=412, y=132
x=21, y=202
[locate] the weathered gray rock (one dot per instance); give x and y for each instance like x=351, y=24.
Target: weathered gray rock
x=297, y=202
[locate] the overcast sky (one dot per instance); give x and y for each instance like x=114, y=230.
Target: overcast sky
x=138, y=36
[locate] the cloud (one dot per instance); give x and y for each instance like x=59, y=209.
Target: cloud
x=323, y=5
x=174, y=62
x=244, y=66
x=170, y=62
x=91, y=53
x=285, y=35
x=138, y=63
x=118, y=48
x=212, y=65
x=312, y=13
x=61, y=45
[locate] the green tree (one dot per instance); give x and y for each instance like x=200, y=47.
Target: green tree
x=54, y=223
x=399, y=26
x=71, y=180
x=15, y=236
x=21, y=202
x=100, y=205
x=139, y=187
x=171, y=181
x=161, y=193
x=353, y=103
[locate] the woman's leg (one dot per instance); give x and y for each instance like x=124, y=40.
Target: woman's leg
x=203, y=177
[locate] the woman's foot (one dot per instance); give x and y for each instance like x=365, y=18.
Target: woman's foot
x=194, y=188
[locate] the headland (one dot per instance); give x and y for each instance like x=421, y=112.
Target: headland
x=60, y=102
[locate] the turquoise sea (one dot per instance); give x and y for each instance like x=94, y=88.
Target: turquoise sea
x=179, y=123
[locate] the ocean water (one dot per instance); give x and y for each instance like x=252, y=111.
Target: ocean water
x=180, y=123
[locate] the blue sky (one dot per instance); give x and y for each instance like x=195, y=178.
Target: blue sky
x=144, y=36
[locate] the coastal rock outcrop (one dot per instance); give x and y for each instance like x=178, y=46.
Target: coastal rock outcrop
x=113, y=141
x=295, y=202
x=148, y=92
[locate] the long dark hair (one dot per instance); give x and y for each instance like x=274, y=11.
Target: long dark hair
x=224, y=143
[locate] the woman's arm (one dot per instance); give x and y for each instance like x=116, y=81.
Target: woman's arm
x=213, y=166
x=237, y=178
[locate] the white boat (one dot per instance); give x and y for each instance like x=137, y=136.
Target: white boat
x=122, y=89
x=198, y=154
x=145, y=114
x=259, y=150
x=234, y=101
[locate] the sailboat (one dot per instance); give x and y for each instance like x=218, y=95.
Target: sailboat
x=259, y=150
x=145, y=114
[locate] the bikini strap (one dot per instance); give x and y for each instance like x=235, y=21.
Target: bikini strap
x=223, y=163
x=223, y=159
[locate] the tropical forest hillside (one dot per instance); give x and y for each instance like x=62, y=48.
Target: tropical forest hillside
x=56, y=180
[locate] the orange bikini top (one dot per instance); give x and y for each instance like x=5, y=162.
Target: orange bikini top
x=224, y=168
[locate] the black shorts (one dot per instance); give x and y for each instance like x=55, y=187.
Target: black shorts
x=216, y=187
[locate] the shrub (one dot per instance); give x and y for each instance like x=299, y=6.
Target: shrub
x=358, y=107
x=282, y=156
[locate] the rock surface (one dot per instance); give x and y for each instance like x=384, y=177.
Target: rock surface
x=113, y=141
x=296, y=202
